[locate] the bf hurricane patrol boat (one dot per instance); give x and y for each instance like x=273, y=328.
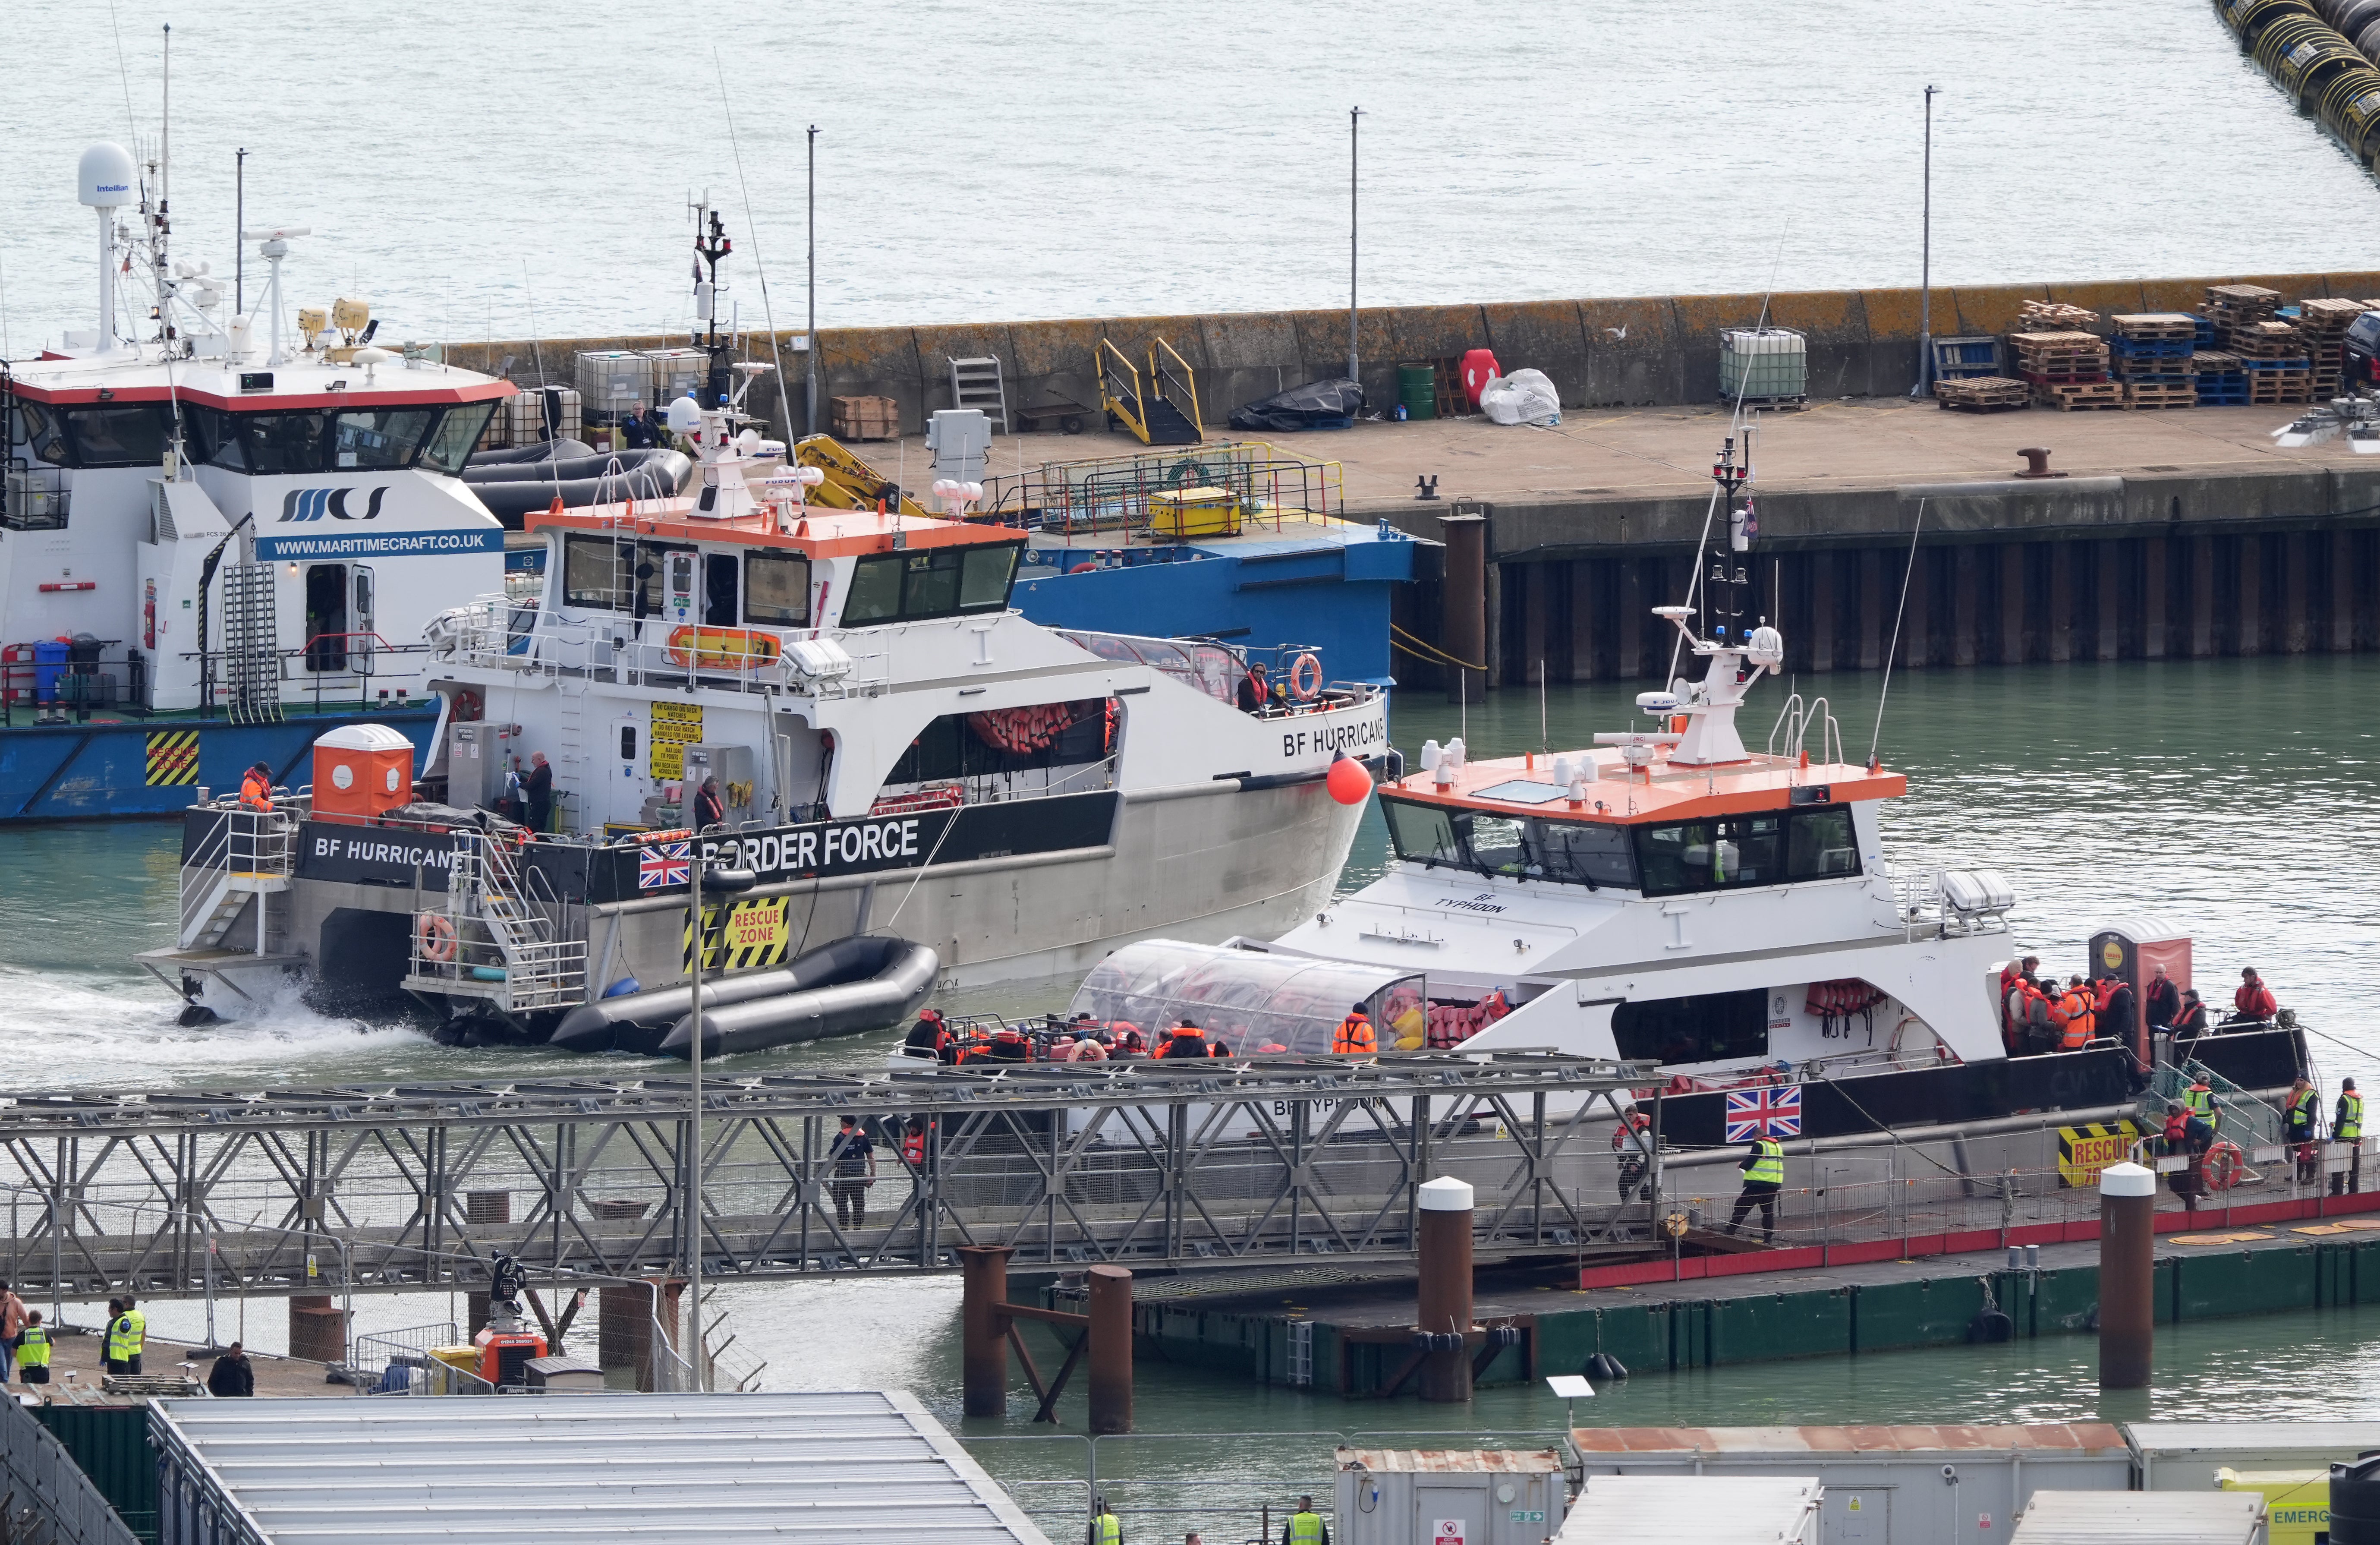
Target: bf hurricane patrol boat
x=1672, y=896
x=838, y=712
x=217, y=539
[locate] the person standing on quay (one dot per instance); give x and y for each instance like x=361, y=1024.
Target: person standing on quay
x=1764, y=1177
x=2304, y=1131
x=2347, y=1126
x=1305, y=1526
x=12, y=1323
x=127, y=1333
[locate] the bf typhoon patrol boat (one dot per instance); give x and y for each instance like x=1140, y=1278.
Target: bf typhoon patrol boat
x=1669, y=897
x=835, y=710
x=216, y=538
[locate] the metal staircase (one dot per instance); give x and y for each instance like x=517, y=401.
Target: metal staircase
x=251, y=655
x=976, y=383
x=502, y=944
x=243, y=859
x=1160, y=404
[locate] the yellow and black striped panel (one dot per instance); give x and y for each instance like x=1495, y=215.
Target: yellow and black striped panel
x=172, y=756
x=756, y=933
x=2083, y=1152
x=674, y=727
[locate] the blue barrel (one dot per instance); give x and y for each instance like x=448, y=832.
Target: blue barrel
x=50, y=658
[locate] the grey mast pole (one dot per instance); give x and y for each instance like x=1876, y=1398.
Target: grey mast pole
x=811, y=414
x=1353, y=114
x=691, y=1198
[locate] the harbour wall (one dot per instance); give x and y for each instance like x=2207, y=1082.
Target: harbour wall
x=1650, y=350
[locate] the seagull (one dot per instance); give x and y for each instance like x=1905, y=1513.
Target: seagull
x=1619, y=332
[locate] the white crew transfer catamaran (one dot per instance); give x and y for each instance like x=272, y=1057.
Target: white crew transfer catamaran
x=909, y=783
x=227, y=521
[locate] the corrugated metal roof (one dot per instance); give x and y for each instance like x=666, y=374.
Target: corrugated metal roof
x=1445, y=1461
x=2034, y=1439
x=730, y=1467
x=2149, y=1518
x=1706, y=1510
x=2347, y=1439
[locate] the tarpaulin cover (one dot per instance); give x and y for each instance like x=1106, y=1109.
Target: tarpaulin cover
x=1319, y=403
x=1254, y=1003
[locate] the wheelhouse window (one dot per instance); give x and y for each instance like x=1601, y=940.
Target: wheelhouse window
x=281, y=442
x=914, y=586
x=1523, y=848
x=451, y=444
x=594, y=572
x=378, y=439
x=1710, y=1026
x=132, y=435
x=777, y=589
x=1768, y=848
x=215, y=438
x=39, y=431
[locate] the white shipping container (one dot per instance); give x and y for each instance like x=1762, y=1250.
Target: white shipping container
x=1905, y=1485
x=2144, y=1518
x=677, y=372
x=2184, y=1456
x=1696, y=1510
x=1763, y=362
x=1448, y=1497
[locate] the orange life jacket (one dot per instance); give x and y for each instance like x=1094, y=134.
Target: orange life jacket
x=913, y=1147
x=2074, y=1011
x=255, y=792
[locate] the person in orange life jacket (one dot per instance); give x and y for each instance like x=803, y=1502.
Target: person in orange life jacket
x=1252, y=690
x=1186, y=1040
x=2028, y=1010
x=1353, y=1036
x=2113, y=1006
x=256, y=788
x=709, y=809
x=2163, y=1000
x=2072, y=1015
x=1632, y=1140
x=2186, y=1132
x=2190, y=1023
x=2012, y=1026
x=913, y=1143
x=1010, y=1045
x=2254, y=1002
x=1129, y=1042
x=930, y=1039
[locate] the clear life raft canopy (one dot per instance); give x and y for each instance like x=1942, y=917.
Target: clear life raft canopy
x=1256, y=1004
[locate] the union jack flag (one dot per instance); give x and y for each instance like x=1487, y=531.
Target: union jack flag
x=662, y=864
x=1763, y=1112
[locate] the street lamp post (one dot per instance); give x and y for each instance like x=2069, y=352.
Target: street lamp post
x=1354, y=114
x=1925, y=266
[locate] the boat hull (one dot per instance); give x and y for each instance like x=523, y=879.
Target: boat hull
x=154, y=767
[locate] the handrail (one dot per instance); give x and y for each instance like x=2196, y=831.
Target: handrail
x=1116, y=369
x=1168, y=386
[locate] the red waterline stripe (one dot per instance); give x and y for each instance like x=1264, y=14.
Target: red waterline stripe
x=1804, y=1258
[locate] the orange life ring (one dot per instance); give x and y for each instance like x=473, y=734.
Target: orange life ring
x=433, y=937
x=1305, y=678
x=468, y=704
x=2223, y=1163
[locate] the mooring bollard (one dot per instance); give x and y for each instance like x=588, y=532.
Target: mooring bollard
x=2127, y=1275
x=1442, y=1305
x=1111, y=1333
x=984, y=1330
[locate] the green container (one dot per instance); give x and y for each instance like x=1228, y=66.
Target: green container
x=110, y=1444
x=2246, y=1282
x=1935, y=1313
x=1418, y=389
x=1636, y=1334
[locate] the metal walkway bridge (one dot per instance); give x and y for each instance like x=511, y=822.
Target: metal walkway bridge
x=1139, y=1163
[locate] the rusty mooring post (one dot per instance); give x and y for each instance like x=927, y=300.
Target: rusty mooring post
x=1111, y=1333
x=2127, y=1275
x=1442, y=1310
x=1464, y=603
x=984, y=1334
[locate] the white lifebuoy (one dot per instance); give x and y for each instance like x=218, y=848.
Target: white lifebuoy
x=1305, y=678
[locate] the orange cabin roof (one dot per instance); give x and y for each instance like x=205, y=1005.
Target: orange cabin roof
x=819, y=534
x=1759, y=782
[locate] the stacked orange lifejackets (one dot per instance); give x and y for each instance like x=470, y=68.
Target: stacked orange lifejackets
x=1452, y=1024
x=1030, y=728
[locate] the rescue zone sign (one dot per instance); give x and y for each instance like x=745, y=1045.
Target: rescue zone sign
x=2083, y=1152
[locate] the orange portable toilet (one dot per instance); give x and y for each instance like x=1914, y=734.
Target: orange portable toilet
x=361, y=771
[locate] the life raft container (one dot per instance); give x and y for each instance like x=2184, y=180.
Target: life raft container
x=722, y=649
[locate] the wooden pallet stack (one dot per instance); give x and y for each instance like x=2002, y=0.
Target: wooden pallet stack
x=2219, y=379
x=1983, y=393
x=2275, y=358
x=2230, y=306
x=2066, y=370
x=2054, y=316
x=2152, y=353
x=2323, y=325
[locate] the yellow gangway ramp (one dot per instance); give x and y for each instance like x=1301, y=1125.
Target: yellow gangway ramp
x=851, y=483
x=1159, y=404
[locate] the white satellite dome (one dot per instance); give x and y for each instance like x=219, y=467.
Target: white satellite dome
x=106, y=179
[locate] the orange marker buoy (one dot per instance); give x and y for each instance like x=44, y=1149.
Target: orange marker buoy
x=1348, y=782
